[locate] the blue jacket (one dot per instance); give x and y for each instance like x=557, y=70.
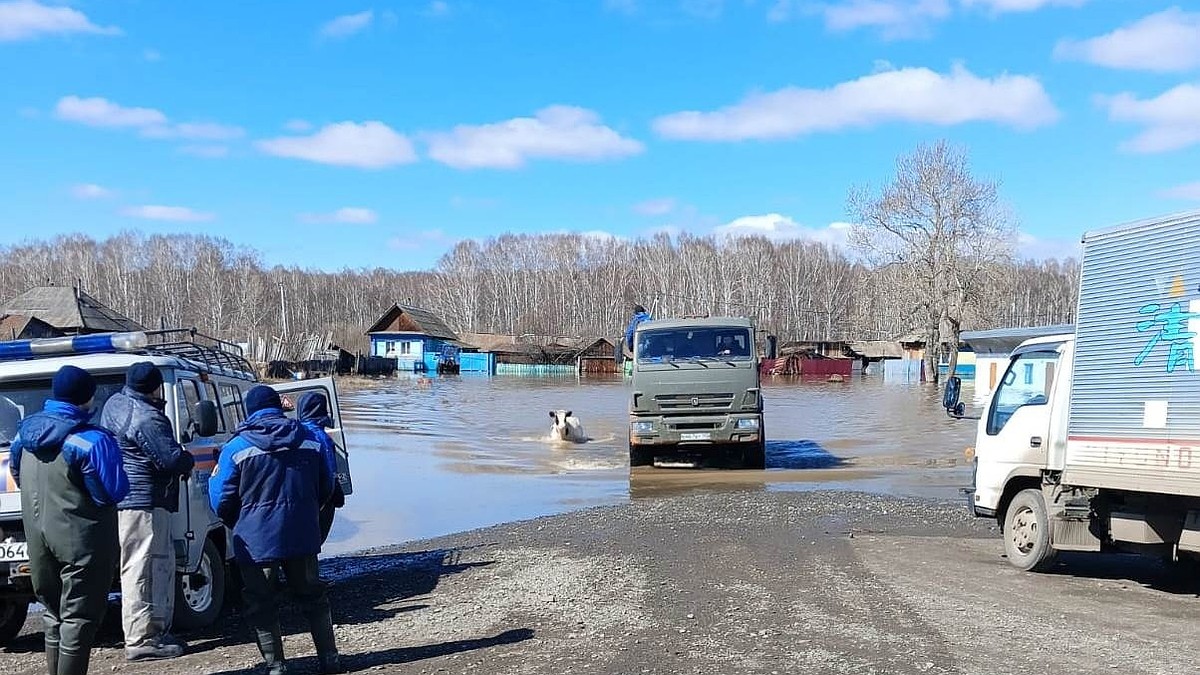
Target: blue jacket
x=91, y=453
x=154, y=462
x=633, y=324
x=269, y=486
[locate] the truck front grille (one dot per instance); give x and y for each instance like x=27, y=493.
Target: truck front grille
x=689, y=402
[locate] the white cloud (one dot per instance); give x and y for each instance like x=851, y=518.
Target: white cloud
x=419, y=240
x=1013, y=6
x=100, y=112
x=152, y=55
x=1031, y=247
x=206, y=151
x=28, y=20
x=197, y=131
x=777, y=227
x=369, y=145
x=895, y=19
x=555, y=132
x=1187, y=192
x=1171, y=120
x=1168, y=41
x=655, y=207
x=355, y=215
x=916, y=95
x=347, y=25
x=90, y=191
x=179, y=214
x=298, y=126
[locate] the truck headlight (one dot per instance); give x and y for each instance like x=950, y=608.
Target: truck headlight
x=750, y=424
x=643, y=427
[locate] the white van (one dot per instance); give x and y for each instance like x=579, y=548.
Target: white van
x=204, y=380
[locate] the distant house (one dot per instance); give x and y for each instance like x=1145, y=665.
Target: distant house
x=415, y=337
x=69, y=311
x=993, y=347
x=534, y=354
x=25, y=327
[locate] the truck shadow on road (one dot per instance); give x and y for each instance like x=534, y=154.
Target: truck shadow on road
x=1144, y=571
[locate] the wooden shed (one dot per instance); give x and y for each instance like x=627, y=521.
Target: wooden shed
x=69, y=311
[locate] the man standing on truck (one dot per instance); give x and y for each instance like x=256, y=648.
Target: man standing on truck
x=639, y=315
x=313, y=412
x=71, y=478
x=154, y=462
x=270, y=483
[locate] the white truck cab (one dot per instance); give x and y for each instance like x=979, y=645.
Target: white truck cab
x=204, y=380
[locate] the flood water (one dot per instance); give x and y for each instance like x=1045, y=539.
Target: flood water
x=456, y=454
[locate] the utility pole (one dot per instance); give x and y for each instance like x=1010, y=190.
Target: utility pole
x=283, y=310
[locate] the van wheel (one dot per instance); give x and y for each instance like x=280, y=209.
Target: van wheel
x=1027, y=532
x=199, y=596
x=640, y=456
x=13, y=613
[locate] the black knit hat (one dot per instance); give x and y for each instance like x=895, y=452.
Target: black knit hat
x=73, y=385
x=143, y=377
x=261, y=397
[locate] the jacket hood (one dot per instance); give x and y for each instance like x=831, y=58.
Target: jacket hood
x=312, y=407
x=269, y=428
x=52, y=426
x=153, y=401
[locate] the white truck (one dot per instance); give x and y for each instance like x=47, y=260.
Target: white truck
x=1091, y=439
x=204, y=380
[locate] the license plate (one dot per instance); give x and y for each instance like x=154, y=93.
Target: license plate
x=698, y=436
x=14, y=552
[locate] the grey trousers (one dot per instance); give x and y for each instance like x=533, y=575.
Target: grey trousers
x=261, y=586
x=147, y=575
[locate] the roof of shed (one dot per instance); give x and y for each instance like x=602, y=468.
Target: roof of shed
x=67, y=310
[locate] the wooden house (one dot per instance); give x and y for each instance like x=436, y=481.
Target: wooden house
x=70, y=311
x=25, y=327
x=414, y=337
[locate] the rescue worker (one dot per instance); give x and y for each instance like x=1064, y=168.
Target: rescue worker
x=71, y=479
x=154, y=462
x=270, y=483
x=639, y=315
x=313, y=412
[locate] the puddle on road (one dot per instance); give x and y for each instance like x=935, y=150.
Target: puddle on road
x=464, y=453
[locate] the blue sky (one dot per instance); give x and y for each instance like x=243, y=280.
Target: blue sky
x=374, y=133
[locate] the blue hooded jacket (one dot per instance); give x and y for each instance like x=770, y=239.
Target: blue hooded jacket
x=268, y=488
x=633, y=324
x=313, y=412
x=89, y=450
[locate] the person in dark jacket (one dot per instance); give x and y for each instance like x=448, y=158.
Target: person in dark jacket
x=154, y=462
x=639, y=315
x=71, y=478
x=270, y=483
x=313, y=412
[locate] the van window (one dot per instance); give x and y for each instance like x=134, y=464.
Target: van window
x=189, y=396
x=212, y=396
x=231, y=405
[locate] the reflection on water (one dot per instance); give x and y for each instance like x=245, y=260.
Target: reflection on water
x=471, y=452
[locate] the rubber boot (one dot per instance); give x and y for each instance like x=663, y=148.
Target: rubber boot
x=73, y=664
x=52, y=658
x=270, y=645
x=320, y=624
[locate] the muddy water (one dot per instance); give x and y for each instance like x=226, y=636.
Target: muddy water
x=457, y=454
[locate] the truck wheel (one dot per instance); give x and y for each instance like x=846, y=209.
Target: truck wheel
x=1027, y=532
x=199, y=596
x=755, y=456
x=13, y=613
x=640, y=456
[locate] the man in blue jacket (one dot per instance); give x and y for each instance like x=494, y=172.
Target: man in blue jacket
x=639, y=315
x=71, y=478
x=313, y=412
x=154, y=462
x=270, y=483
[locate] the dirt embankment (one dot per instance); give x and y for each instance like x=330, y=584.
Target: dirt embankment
x=725, y=583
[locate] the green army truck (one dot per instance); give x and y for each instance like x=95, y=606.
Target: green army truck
x=696, y=393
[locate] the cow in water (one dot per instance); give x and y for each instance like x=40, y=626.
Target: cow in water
x=566, y=427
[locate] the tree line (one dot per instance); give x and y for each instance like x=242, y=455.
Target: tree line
x=543, y=284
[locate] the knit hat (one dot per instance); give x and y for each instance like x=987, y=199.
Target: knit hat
x=143, y=377
x=73, y=385
x=261, y=397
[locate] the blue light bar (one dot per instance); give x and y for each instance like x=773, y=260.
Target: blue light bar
x=81, y=344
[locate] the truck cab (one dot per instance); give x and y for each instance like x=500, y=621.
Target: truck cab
x=204, y=381
x=696, y=392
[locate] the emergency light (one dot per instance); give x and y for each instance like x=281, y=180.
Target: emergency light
x=80, y=344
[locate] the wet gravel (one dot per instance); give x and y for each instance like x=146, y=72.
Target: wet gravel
x=749, y=582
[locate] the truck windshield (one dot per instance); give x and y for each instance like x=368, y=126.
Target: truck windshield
x=24, y=397
x=694, y=344
x=1026, y=382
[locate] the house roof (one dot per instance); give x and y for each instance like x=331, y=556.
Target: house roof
x=532, y=344
x=68, y=310
x=409, y=319
x=1003, y=340
x=13, y=326
x=878, y=349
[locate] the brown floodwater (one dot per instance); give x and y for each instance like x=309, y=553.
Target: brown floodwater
x=463, y=453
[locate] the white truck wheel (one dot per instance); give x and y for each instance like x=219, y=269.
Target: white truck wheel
x=199, y=597
x=1027, y=532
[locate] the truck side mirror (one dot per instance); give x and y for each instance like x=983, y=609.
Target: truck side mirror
x=950, y=397
x=205, y=415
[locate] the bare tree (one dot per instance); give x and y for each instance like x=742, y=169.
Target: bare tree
x=945, y=230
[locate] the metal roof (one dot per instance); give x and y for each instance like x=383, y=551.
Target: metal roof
x=70, y=310
x=1004, y=340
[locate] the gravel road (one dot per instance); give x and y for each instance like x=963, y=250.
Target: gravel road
x=755, y=582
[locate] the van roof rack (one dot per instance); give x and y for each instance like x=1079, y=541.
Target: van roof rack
x=211, y=352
